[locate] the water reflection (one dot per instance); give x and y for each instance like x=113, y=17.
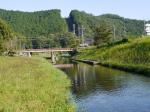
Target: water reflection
x=100, y=89
x=87, y=79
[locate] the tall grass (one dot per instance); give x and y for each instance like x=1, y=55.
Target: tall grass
x=32, y=85
x=136, y=52
x=133, y=53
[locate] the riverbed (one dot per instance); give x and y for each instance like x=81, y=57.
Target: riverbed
x=101, y=89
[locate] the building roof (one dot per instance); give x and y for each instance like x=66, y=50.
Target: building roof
x=147, y=25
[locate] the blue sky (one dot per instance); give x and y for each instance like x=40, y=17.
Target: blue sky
x=136, y=9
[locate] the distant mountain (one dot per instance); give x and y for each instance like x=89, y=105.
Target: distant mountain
x=122, y=25
x=42, y=23
x=33, y=24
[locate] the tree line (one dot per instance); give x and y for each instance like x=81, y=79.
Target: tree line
x=32, y=24
x=44, y=29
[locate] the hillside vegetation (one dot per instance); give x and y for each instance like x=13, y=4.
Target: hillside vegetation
x=47, y=29
x=43, y=23
x=123, y=26
x=32, y=85
x=5, y=35
x=134, y=54
x=33, y=24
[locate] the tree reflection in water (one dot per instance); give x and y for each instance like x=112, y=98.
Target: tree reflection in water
x=88, y=79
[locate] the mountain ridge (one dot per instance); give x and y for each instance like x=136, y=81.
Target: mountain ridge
x=42, y=23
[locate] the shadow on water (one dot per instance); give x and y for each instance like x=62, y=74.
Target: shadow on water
x=101, y=89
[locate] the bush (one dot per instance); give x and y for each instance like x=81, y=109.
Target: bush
x=11, y=53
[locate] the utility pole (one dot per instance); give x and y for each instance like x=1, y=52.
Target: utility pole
x=114, y=32
x=11, y=43
x=20, y=45
x=79, y=30
x=124, y=29
x=74, y=29
x=144, y=28
x=81, y=33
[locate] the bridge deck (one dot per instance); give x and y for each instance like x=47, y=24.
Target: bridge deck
x=48, y=50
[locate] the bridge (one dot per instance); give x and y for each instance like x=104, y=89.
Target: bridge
x=27, y=52
x=47, y=50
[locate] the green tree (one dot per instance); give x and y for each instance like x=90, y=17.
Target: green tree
x=68, y=40
x=6, y=36
x=102, y=33
x=35, y=24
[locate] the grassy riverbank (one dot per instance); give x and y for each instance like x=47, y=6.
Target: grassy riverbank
x=132, y=56
x=32, y=85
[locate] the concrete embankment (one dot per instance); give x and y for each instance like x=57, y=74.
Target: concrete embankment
x=129, y=68
x=132, y=56
x=91, y=62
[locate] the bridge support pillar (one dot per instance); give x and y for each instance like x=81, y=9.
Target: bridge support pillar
x=53, y=57
x=28, y=54
x=20, y=53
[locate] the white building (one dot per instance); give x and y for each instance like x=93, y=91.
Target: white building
x=147, y=29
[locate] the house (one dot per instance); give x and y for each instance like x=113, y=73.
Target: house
x=89, y=41
x=147, y=29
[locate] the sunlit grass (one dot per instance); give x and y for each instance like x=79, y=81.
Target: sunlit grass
x=32, y=85
x=135, y=53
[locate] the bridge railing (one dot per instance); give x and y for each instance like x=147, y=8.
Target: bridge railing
x=49, y=49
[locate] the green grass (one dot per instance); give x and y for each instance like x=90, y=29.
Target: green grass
x=134, y=54
x=32, y=85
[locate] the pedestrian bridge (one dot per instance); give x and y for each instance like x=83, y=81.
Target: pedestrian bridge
x=52, y=51
x=47, y=50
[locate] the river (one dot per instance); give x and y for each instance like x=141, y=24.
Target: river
x=101, y=89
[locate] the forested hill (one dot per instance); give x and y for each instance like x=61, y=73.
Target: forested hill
x=130, y=26
x=42, y=23
x=33, y=24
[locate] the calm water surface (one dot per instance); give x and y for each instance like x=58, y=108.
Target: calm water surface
x=100, y=89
